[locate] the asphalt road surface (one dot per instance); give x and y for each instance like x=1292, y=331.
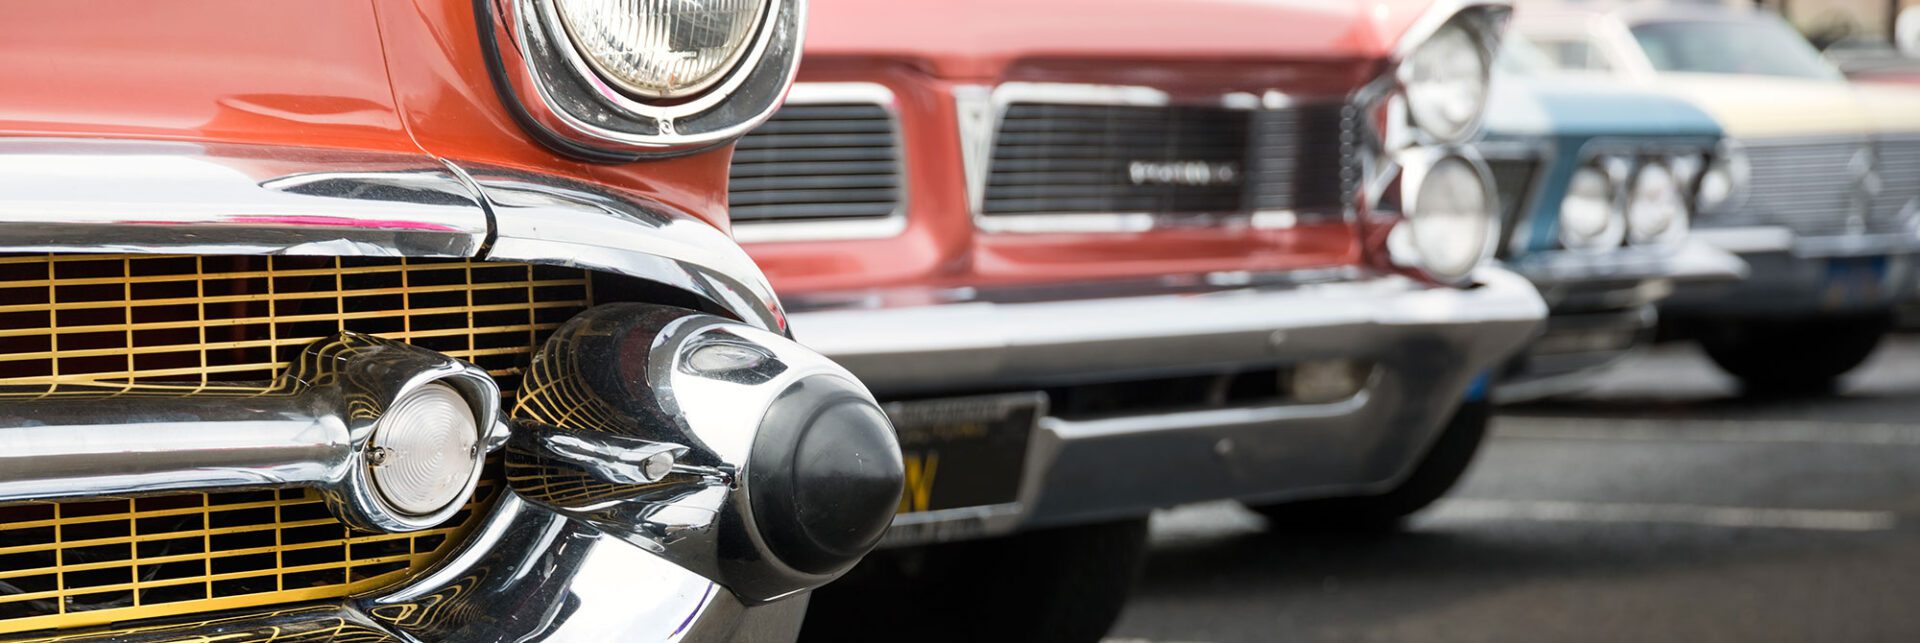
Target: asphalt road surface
x=1658, y=506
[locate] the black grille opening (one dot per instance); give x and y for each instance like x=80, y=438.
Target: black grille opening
x=1062, y=159
x=819, y=161
x=1168, y=160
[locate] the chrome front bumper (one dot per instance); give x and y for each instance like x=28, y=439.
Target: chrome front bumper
x=1429, y=344
x=1601, y=309
x=1791, y=275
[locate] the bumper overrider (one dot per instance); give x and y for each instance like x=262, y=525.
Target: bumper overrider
x=1425, y=345
x=670, y=474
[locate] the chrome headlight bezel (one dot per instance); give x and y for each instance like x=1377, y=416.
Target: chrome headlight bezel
x=1410, y=242
x=559, y=96
x=1475, y=25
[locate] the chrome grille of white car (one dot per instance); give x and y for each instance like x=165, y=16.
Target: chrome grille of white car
x=1899, y=170
x=1814, y=187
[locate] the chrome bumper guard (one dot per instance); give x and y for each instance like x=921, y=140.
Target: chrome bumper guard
x=1429, y=344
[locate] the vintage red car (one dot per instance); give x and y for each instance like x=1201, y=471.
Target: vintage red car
x=406, y=320
x=1103, y=257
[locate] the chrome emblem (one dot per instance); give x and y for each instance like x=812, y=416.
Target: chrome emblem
x=1187, y=173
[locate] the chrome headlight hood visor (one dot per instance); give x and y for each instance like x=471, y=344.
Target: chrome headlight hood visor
x=561, y=100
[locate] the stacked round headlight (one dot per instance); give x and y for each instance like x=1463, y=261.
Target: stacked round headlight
x=1589, y=216
x=1657, y=207
x=1446, y=81
x=661, y=49
x=1452, y=221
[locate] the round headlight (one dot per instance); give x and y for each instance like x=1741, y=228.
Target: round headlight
x=661, y=48
x=424, y=453
x=1452, y=219
x=1446, y=83
x=1588, y=218
x=1725, y=178
x=1657, y=209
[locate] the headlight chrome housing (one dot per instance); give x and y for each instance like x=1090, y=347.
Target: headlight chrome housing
x=620, y=80
x=1424, y=197
x=1446, y=81
x=1444, y=71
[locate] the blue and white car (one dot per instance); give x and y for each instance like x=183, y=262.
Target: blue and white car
x=1598, y=183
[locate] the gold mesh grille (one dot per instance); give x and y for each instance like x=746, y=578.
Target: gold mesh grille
x=74, y=564
x=201, y=321
x=216, y=325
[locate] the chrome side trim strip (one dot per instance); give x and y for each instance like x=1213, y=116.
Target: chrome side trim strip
x=71, y=195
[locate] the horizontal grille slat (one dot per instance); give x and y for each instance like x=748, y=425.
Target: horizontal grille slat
x=1815, y=187
x=1037, y=144
x=87, y=326
x=818, y=161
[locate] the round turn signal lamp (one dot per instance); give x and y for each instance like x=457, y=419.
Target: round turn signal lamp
x=424, y=456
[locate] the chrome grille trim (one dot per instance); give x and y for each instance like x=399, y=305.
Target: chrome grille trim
x=1813, y=187
x=1516, y=179
x=1266, y=199
x=1899, y=171
x=829, y=165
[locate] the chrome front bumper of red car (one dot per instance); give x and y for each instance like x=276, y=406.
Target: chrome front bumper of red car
x=1424, y=346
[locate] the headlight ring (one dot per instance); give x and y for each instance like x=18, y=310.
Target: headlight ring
x=1446, y=82
x=700, y=87
x=1451, y=211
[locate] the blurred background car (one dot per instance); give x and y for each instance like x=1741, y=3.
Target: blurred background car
x=1597, y=183
x=1099, y=266
x=1817, y=186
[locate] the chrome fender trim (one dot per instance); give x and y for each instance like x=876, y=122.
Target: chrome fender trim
x=160, y=197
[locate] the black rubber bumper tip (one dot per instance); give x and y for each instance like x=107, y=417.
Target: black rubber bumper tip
x=825, y=475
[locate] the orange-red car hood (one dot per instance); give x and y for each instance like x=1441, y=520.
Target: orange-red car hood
x=977, y=38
